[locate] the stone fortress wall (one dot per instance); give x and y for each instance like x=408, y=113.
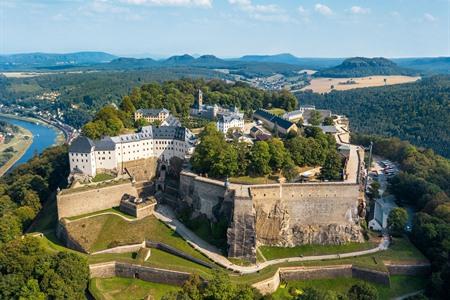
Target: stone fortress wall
x=278, y=214
x=73, y=202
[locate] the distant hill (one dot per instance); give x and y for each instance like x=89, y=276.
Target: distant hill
x=417, y=112
x=362, y=66
x=34, y=60
x=287, y=58
x=246, y=68
x=440, y=65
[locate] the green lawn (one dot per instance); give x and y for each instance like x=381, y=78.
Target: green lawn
x=312, y=250
x=102, y=177
x=127, y=288
x=400, y=285
x=277, y=111
x=112, y=210
x=107, y=231
x=252, y=180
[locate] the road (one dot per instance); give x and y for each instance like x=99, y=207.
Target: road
x=166, y=215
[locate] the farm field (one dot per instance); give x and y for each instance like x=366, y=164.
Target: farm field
x=323, y=85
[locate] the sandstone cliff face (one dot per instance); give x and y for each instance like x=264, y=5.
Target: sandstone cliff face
x=275, y=228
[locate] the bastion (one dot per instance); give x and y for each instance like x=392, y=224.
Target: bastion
x=283, y=214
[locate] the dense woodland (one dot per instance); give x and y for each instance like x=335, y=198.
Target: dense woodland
x=424, y=183
x=418, y=112
x=83, y=94
x=178, y=97
x=28, y=271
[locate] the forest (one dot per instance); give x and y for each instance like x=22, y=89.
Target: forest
x=417, y=112
x=178, y=96
x=27, y=270
x=424, y=183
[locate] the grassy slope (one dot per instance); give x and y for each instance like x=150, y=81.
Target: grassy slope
x=400, y=285
x=127, y=288
x=102, y=232
x=307, y=250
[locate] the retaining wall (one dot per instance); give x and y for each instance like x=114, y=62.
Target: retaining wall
x=411, y=270
x=120, y=269
x=75, y=203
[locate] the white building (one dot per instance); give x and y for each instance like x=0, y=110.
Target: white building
x=382, y=208
x=230, y=120
x=88, y=157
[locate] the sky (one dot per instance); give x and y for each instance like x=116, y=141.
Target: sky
x=228, y=28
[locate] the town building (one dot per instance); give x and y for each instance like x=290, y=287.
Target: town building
x=230, y=120
x=275, y=123
x=152, y=115
x=88, y=156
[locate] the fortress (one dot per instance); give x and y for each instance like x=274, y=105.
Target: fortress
x=280, y=214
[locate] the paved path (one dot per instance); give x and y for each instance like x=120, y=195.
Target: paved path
x=165, y=214
x=408, y=295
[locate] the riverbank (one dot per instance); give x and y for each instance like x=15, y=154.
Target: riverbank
x=60, y=136
x=20, y=143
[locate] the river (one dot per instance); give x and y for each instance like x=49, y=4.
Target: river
x=43, y=137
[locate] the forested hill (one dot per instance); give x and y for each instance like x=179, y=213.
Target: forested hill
x=362, y=66
x=418, y=112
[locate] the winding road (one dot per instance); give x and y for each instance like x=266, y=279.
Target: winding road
x=166, y=215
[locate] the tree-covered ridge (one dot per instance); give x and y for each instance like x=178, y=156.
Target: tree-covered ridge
x=218, y=158
x=418, y=112
x=362, y=66
x=27, y=270
x=178, y=96
x=424, y=183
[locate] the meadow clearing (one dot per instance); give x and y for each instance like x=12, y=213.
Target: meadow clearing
x=324, y=85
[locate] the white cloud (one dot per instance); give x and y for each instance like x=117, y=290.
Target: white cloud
x=248, y=6
x=323, y=9
x=302, y=10
x=201, y=3
x=358, y=10
x=262, y=12
x=429, y=17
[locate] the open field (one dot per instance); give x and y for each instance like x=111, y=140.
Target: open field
x=20, y=143
x=323, y=85
x=127, y=288
x=400, y=285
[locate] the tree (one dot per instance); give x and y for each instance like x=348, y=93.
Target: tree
x=260, y=159
x=328, y=121
x=332, y=167
x=10, y=228
x=315, y=118
x=127, y=105
x=290, y=171
x=310, y=293
x=362, y=291
x=219, y=287
x=397, y=221
x=278, y=154
x=374, y=188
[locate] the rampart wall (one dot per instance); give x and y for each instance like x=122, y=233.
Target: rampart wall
x=120, y=269
x=284, y=215
x=74, y=203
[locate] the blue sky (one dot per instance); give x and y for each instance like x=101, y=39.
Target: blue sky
x=228, y=28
